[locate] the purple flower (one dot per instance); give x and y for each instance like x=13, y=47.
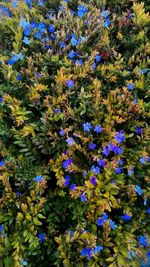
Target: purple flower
x=126, y=217
x=102, y=219
x=112, y=225
x=66, y=163
x=138, y=190
x=101, y=162
x=2, y=163
x=130, y=86
x=38, y=178
x=92, y=146
x=95, y=169
x=73, y=187
x=83, y=197
x=70, y=83
x=93, y=180
x=57, y=110
x=86, y=252
x=143, y=241
x=87, y=126
x=120, y=162
x=139, y=130
x=70, y=141
x=1, y=228
x=98, y=129
x=41, y=237
x=67, y=180
x=120, y=137
x=82, y=10
x=62, y=132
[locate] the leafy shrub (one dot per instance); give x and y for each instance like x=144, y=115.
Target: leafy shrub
x=74, y=135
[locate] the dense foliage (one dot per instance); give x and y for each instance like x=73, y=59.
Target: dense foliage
x=74, y=133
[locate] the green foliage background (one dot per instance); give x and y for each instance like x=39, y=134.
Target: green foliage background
x=30, y=143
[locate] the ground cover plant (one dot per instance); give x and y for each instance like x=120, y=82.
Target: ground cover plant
x=74, y=133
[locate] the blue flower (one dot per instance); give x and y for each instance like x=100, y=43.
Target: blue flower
x=138, y=190
x=83, y=197
x=148, y=254
x=120, y=162
x=101, y=162
x=29, y=3
x=41, y=237
x=130, y=86
x=42, y=27
x=97, y=249
x=62, y=44
x=86, y=252
x=98, y=58
x=118, y=170
x=143, y=71
x=70, y=141
x=143, y=241
x=2, y=163
x=51, y=28
x=79, y=62
x=1, y=228
x=120, y=137
x=67, y=180
x=93, y=180
x=143, y=160
x=95, y=169
x=26, y=40
x=57, y=110
x=41, y=2
x=74, y=41
x=82, y=10
x=1, y=99
x=37, y=35
x=87, y=126
x=92, y=146
x=112, y=225
x=66, y=163
x=98, y=129
x=23, y=23
x=126, y=217
x=38, y=178
x=72, y=54
x=34, y=24
x=70, y=83
x=27, y=30
x=62, y=132
x=106, y=23
x=102, y=219
x=139, y=130
x=73, y=187
x=148, y=210
x=131, y=171
x=5, y=11
x=19, y=78
x=105, y=151
x=105, y=14
x=14, y=3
